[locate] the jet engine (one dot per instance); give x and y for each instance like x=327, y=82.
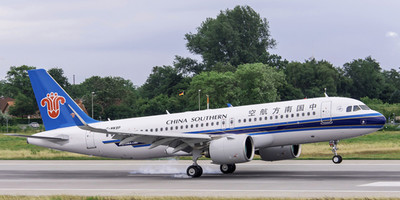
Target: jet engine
x=231, y=149
x=280, y=152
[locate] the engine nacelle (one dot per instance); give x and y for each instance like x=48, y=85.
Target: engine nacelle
x=232, y=149
x=280, y=152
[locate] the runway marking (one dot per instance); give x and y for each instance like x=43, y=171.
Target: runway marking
x=382, y=184
x=190, y=190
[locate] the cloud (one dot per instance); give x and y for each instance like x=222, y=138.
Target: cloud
x=392, y=34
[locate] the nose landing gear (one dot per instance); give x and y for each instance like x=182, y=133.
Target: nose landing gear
x=337, y=159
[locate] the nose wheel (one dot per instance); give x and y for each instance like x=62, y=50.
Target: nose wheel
x=337, y=159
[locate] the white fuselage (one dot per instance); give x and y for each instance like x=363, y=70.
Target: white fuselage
x=270, y=124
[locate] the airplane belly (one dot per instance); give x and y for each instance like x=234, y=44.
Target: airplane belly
x=312, y=136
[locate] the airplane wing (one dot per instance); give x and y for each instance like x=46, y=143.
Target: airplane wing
x=179, y=141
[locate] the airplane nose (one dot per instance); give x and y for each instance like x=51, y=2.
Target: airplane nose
x=381, y=120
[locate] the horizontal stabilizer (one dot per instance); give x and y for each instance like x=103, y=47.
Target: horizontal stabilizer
x=64, y=138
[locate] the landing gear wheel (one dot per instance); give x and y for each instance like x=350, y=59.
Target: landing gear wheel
x=227, y=168
x=194, y=171
x=337, y=159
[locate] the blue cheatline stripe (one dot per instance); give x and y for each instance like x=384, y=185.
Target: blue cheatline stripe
x=312, y=129
x=140, y=145
x=344, y=122
x=373, y=120
x=111, y=141
x=318, y=120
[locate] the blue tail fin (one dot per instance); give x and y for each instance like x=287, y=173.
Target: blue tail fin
x=53, y=101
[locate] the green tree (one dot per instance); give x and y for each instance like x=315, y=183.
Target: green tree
x=312, y=76
x=108, y=91
x=18, y=86
x=58, y=75
x=258, y=83
x=250, y=84
x=17, y=81
x=235, y=36
x=188, y=66
x=22, y=106
x=220, y=86
x=367, y=78
x=164, y=80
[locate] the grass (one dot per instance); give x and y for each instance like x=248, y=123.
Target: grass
x=379, y=145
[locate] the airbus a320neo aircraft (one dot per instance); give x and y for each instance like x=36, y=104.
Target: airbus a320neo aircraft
x=227, y=135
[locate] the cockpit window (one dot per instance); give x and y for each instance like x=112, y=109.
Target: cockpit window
x=348, y=109
x=365, y=107
x=356, y=108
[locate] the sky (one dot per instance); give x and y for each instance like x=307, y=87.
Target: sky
x=128, y=38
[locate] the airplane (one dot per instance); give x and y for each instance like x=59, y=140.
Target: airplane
x=231, y=135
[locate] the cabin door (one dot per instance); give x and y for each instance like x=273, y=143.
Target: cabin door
x=90, y=144
x=326, y=114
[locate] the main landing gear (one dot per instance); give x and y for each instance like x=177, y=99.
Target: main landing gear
x=227, y=168
x=195, y=170
x=337, y=159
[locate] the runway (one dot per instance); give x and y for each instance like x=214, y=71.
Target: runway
x=296, y=178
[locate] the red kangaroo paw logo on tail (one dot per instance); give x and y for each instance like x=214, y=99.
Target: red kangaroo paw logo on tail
x=52, y=101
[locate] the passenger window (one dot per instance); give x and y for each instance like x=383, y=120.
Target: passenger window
x=166, y=128
x=217, y=123
x=270, y=118
x=266, y=118
x=156, y=129
x=176, y=128
x=197, y=125
x=356, y=108
x=249, y=119
x=212, y=123
x=302, y=114
x=276, y=116
x=260, y=118
x=348, y=109
x=287, y=116
x=187, y=126
x=281, y=116
x=207, y=124
x=297, y=114
x=255, y=119
x=191, y=125
x=292, y=115
x=239, y=120
x=172, y=128
x=308, y=113
x=201, y=124
x=151, y=130
x=313, y=113
x=244, y=120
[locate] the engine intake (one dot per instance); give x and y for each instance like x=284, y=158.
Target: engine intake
x=280, y=152
x=232, y=149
